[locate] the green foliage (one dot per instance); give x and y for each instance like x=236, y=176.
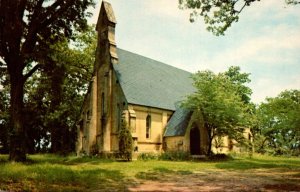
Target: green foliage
x=125, y=142
x=55, y=93
x=239, y=80
x=292, y=2
x=28, y=29
x=222, y=101
x=147, y=156
x=4, y=107
x=219, y=15
x=220, y=157
x=175, y=156
x=4, y=113
x=94, y=150
x=280, y=124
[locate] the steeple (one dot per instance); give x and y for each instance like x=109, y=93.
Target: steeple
x=106, y=35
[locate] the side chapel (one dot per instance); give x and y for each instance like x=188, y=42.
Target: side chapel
x=146, y=92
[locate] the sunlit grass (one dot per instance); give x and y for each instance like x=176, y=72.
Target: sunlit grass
x=53, y=173
x=261, y=162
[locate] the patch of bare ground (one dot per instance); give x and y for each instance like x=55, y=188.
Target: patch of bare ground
x=219, y=180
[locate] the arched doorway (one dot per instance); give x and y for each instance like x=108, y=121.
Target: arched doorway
x=195, y=141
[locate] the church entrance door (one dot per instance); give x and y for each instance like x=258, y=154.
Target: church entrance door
x=195, y=141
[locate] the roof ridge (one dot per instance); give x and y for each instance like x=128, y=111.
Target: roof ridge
x=153, y=60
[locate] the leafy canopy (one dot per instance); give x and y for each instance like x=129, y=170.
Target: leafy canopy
x=219, y=15
x=280, y=123
x=219, y=98
x=28, y=28
x=55, y=92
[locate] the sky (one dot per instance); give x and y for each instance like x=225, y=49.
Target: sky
x=265, y=42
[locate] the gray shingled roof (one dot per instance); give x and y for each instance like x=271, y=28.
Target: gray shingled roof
x=151, y=83
x=178, y=123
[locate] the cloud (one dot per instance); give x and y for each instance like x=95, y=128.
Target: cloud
x=266, y=87
x=167, y=8
x=266, y=9
x=95, y=11
x=276, y=45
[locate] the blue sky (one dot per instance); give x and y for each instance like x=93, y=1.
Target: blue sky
x=265, y=42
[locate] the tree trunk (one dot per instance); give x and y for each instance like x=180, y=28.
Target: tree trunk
x=58, y=132
x=210, y=140
x=17, y=150
x=209, y=146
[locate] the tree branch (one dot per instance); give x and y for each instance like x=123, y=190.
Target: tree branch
x=34, y=69
x=292, y=2
x=30, y=38
x=55, y=12
x=245, y=4
x=41, y=20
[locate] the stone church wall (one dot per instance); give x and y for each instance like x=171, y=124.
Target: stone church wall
x=159, y=118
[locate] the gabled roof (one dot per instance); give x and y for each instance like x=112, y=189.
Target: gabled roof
x=151, y=83
x=178, y=123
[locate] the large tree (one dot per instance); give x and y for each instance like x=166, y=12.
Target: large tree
x=55, y=92
x=219, y=15
x=219, y=100
x=280, y=123
x=67, y=79
x=27, y=29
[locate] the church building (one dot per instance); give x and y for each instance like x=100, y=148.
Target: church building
x=147, y=92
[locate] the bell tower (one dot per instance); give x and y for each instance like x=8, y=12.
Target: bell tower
x=106, y=56
x=106, y=47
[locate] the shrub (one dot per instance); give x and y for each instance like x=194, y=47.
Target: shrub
x=147, y=156
x=175, y=156
x=125, y=142
x=94, y=150
x=220, y=157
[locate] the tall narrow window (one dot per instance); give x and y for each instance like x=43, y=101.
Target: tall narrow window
x=148, y=126
x=132, y=120
x=119, y=116
x=102, y=104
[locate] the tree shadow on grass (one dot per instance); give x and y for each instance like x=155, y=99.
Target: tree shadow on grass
x=68, y=160
x=61, y=178
x=54, y=173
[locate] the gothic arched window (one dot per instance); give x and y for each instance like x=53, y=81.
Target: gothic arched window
x=148, y=126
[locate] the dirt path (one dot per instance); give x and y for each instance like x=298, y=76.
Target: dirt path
x=219, y=181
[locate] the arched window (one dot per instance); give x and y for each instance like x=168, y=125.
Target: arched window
x=148, y=126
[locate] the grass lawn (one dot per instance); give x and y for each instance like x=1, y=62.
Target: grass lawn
x=53, y=173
